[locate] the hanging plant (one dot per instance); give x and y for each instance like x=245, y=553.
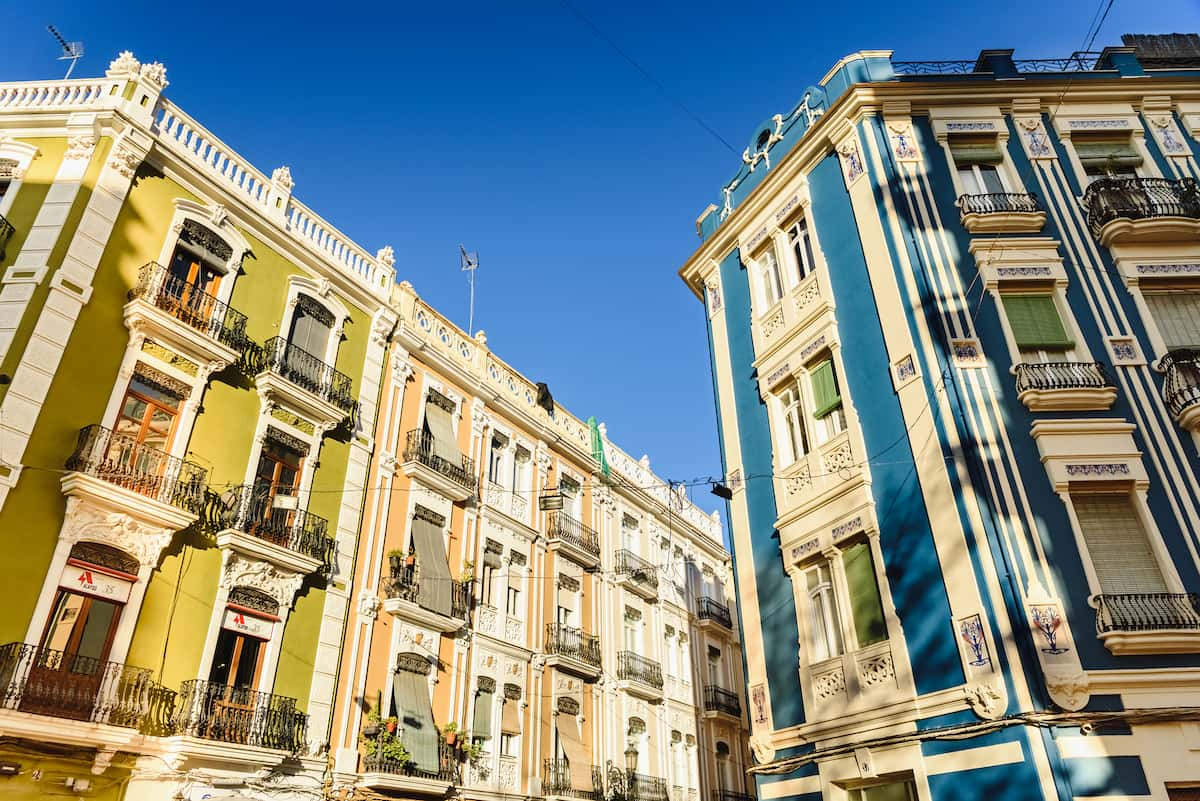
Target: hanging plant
x=451, y=732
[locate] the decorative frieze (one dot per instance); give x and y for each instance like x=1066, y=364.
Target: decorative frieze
x=1098, y=470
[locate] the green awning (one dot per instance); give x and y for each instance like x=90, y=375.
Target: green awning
x=598, y=448
x=481, y=725
x=410, y=692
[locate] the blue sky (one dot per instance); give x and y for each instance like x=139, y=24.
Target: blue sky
x=515, y=130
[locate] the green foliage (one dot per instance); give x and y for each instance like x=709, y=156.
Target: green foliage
x=386, y=745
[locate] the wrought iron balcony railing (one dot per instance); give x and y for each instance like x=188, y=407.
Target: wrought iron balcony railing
x=731, y=795
x=256, y=510
x=1108, y=199
x=1156, y=611
x=999, y=203
x=43, y=681
x=562, y=526
x=556, y=780
x=643, y=787
x=418, y=447
x=406, y=585
x=1061, y=375
x=238, y=715
x=718, y=699
x=190, y=305
x=308, y=372
x=566, y=641
x=446, y=770
x=121, y=460
x=637, y=568
x=712, y=609
x=6, y=232
x=635, y=667
x=1181, y=380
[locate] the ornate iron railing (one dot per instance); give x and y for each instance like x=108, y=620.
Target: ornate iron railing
x=192, y=306
x=6, y=232
x=637, y=568
x=446, y=771
x=308, y=372
x=1181, y=380
x=1079, y=61
x=406, y=585
x=418, y=447
x=998, y=203
x=1108, y=199
x=562, y=526
x=121, y=460
x=238, y=715
x=712, y=609
x=566, y=641
x=643, y=787
x=43, y=681
x=933, y=67
x=556, y=780
x=1061, y=375
x=1155, y=611
x=635, y=667
x=255, y=510
x=718, y=699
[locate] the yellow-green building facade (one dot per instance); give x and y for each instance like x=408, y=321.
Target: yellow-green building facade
x=190, y=364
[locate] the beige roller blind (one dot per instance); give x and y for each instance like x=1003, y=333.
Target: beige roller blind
x=579, y=762
x=1177, y=315
x=510, y=718
x=1117, y=543
x=441, y=426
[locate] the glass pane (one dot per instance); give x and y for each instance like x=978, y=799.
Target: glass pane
x=66, y=612
x=159, y=429
x=222, y=662
x=247, y=665
x=132, y=415
x=96, y=625
x=970, y=185
x=990, y=178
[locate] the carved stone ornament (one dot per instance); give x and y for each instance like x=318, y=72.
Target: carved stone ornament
x=125, y=160
x=381, y=327
x=155, y=73
x=368, y=605
x=279, y=584
x=402, y=370
x=760, y=744
x=1068, y=687
x=87, y=522
x=282, y=177
x=386, y=256
x=123, y=66
x=986, y=699
x=80, y=147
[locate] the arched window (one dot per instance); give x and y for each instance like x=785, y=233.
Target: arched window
x=724, y=766
x=246, y=628
x=8, y=168
x=199, y=261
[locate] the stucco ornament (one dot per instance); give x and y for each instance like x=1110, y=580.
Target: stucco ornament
x=124, y=65
x=85, y=521
x=986, y=699
x=125, y=160
x=1067, y=687
x=80, y=147
x=155, y=73
x=386, y=256
x=368, y=605
x=760, y=744
x=282, y=176
x=279, y=584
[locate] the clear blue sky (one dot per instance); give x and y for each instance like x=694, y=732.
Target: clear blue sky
x=514, y=129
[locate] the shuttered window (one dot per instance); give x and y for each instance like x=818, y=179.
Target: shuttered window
x=969, y=150
x=481, y=726
x=1102, y=156
x=1035, y=323
x=865, y=605
x=1117, y=543
x=826, y=397
x=1177, y=315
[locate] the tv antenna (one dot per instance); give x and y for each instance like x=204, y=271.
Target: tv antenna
x=470, y=263
x=71, y=51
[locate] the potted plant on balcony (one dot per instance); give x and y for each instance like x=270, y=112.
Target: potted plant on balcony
x=468, y=571
x=386, y=747
x=451, y=732
x=371, y=730
x=472, y=751
x=395, y=560
x=390, y=725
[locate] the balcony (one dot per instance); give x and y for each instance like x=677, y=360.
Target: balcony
x=640, y=676
x=405, y=599
x=6, y=232
x=1149, y=623
x=1064, y=386
x=42, y=681
x=507, y=502
x=118, y=474
x=1181, y=386
x=570, y=649
x=556, y=781
x=172, y=312
x=454, y=478
x=710, y=610
x=386, y=774
x=237, y=715
x=637, y=575
x=579, y=543
x=269, y=525
x=646, y=788
x=303, y=383
x=1123, y=210
x=719, y=701
x=1001, y=212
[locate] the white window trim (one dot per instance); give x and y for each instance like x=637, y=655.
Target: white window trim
x=22, y=153
x=216, y=219
x=1058, y=291
x=764, y=304
x=321, y=292
x=1127, y=259
x=1147, y=169
x=1006, y=170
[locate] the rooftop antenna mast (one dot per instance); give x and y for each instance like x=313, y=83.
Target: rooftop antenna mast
x=71, y=51
x=470, y=263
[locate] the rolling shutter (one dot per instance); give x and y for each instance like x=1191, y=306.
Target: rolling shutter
x=975, y=150
x=481, y=725
x=510, y=717
x=1101, y=154
x=434, y=578
x=865, y=605
x=1177, y=314
x=441, y=427
x=1035, y=322
x=1117, y=543
x=826, y=397
x=580, y=765
x=410, y=692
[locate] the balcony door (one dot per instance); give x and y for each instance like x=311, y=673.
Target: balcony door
x=231, y=703
x=308, y=339
x=276, y=491
x=136, y=457
x=192, y=280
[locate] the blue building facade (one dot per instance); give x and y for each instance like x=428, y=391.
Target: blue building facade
x=954, y=317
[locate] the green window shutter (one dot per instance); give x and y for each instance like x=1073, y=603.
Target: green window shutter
x=865, y=605
x=1035, y=322
x=975, y=152
x=481, y=726
x=826, y=397
x=1102, y=153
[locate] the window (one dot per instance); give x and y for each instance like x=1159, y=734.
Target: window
x=1037, y=328
x=1175, y=310
x=276, y=486
x=629, y=532
x=481, y=723
x=513, y=605
x=1120, y=550
x=825, y=633
x=310, y=329
x=828, y=414
x=572, y=499
x=1107, y=156
x=715, y=674
x=802, y=254
x=147, y=413
x=724, y=767
x=978, y=160
x=893, y=791
x=508, y=744
x=521, y=462
x=795, y=437
x=7, y=168
x=487, y=583
x=633, y=630
x=496, y=458
x=770, y=277
x=194, y=273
